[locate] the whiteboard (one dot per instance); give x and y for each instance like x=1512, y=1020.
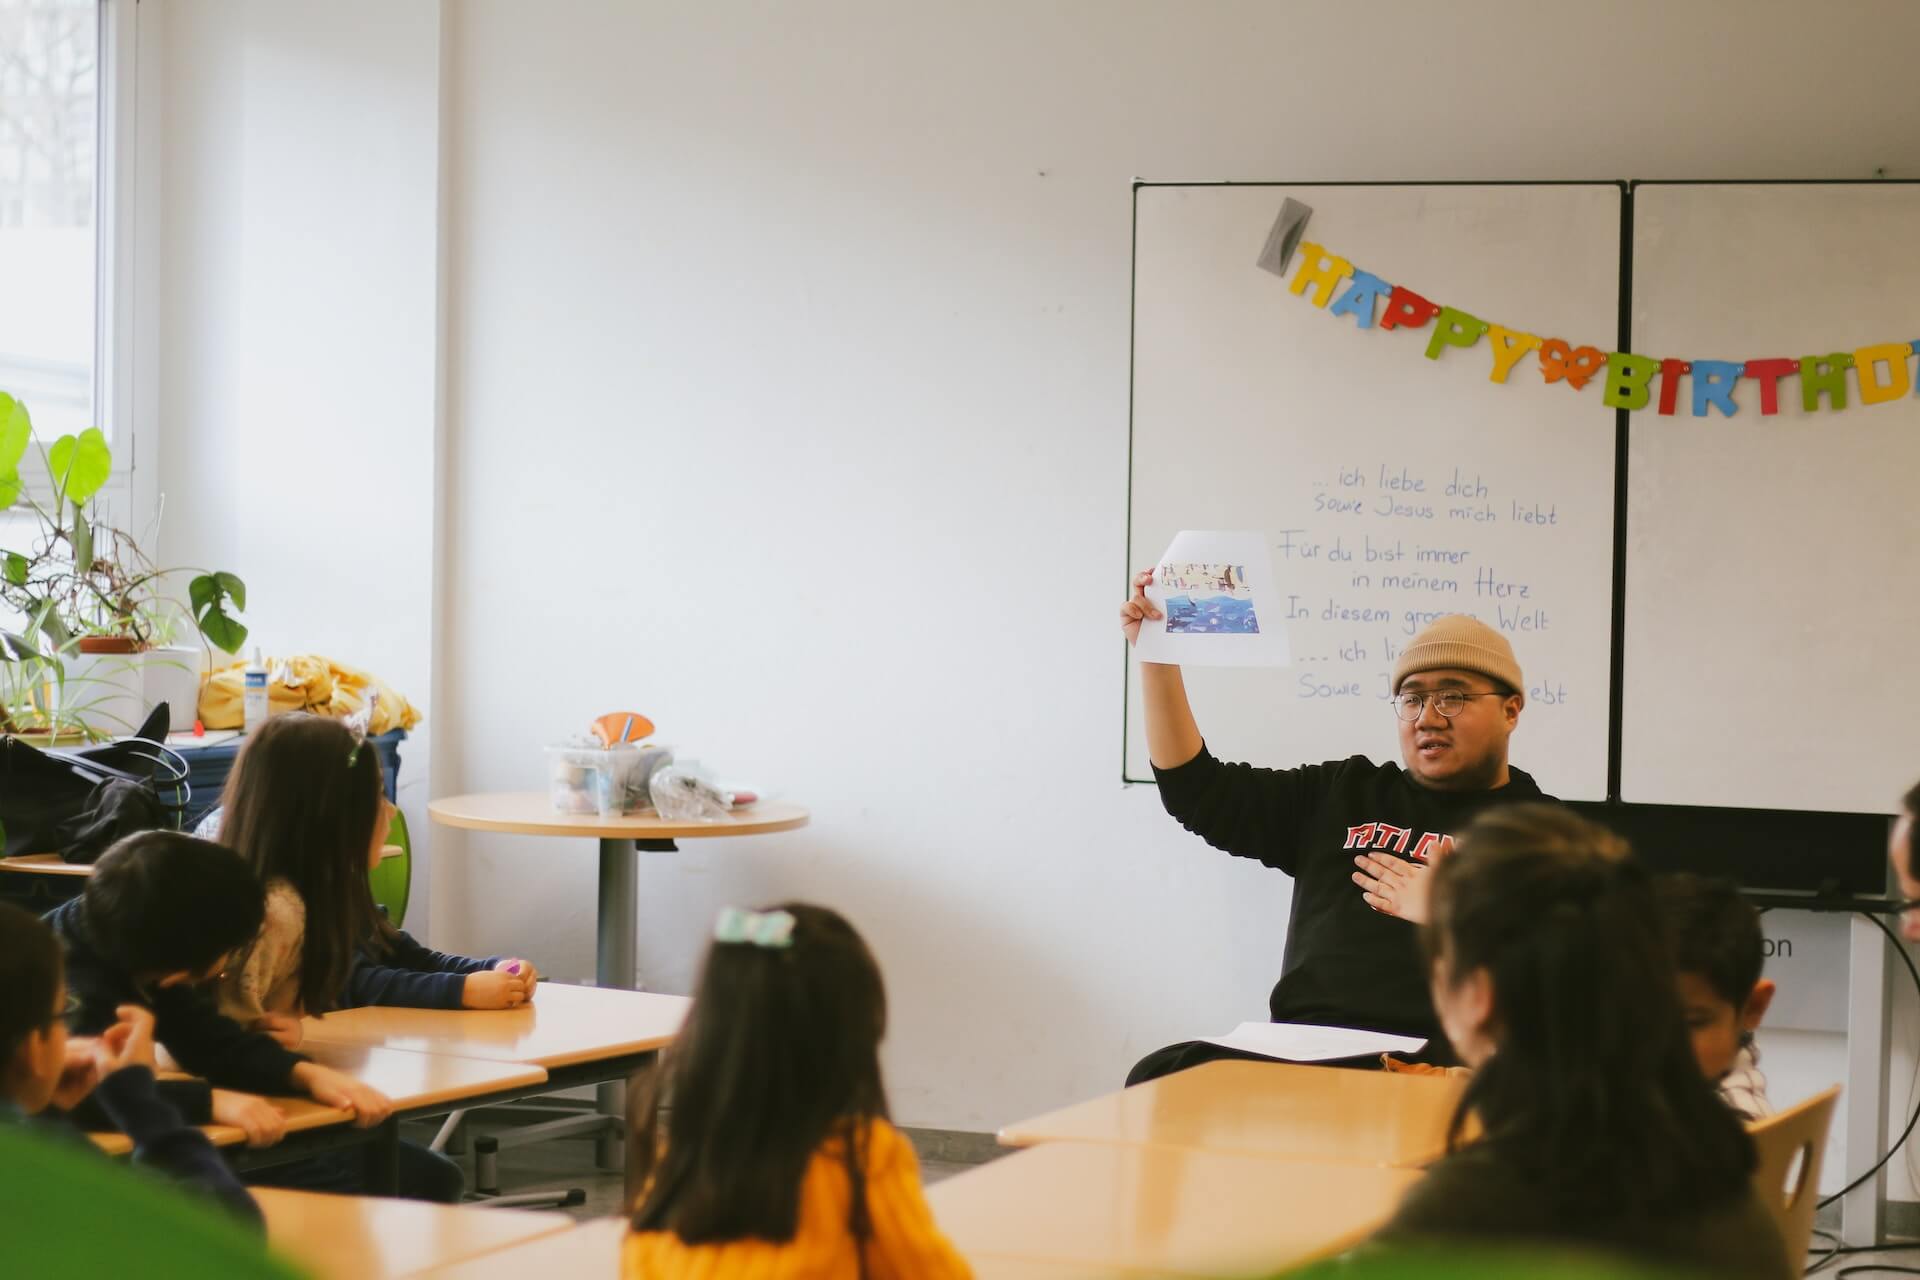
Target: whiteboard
x=1771, y=597
x=1253, y=409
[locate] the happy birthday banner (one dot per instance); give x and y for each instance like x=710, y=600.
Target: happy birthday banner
x=1631, y=380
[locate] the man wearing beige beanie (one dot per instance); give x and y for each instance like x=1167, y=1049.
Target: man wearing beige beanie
x=1356, y=836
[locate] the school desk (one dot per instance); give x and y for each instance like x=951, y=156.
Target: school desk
x=579, y=1035
x=417, y=1083
x=372, y=1238
x=591, y=1251
x=1266, y=1108
x=1163, y=1210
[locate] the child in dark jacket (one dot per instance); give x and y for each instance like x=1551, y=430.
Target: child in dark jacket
x=45, y=1073
x=162, y=916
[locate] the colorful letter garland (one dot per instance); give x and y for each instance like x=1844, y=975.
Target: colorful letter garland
x=1629, y=381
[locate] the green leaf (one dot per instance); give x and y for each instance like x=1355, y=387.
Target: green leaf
x=15, y=568
x=80, y=464
x=235, y=588
x=16, y=433
x=209, y=594
x=82, y=543
x=224, y=631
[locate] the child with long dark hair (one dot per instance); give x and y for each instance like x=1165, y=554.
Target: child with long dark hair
x=1552, y=979
x=306, y=806
x=776, y=1158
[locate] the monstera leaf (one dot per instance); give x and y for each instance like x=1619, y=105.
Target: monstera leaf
x=210, y=593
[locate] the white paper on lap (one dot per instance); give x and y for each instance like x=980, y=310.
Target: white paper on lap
x=1296, y=1042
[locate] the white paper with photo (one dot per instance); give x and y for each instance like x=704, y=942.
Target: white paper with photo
x=1220, y=608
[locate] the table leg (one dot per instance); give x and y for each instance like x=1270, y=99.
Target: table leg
x=615, y=967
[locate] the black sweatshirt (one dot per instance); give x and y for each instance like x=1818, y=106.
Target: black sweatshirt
x=201, y=1039
x=162, y=1141
x=1346, y=964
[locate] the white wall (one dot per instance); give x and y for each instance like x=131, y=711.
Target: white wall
x=786, y=391
x=298, y=211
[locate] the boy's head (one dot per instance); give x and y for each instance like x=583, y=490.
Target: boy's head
x=33, y=1037
x=1714, y=936
x=167, y=908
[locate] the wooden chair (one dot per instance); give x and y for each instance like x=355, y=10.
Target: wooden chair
x=1790, y=1146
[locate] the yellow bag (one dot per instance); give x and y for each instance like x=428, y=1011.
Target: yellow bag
x=304, y=682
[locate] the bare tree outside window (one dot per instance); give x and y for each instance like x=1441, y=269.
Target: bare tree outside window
x=49, y=108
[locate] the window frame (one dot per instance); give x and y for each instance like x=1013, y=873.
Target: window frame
x=116, y=407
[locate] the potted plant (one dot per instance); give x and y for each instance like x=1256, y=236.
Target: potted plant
x=93, y=612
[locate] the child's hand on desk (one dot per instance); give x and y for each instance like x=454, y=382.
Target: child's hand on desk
x=259, y=1119
x=285, y=1029
x=514, y=964
x=335, y=1089
x=78, y=1074
x=494, y=989
x=127, y=1043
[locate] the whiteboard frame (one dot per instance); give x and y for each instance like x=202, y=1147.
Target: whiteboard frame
x=1133, y=302
x=1796, y=857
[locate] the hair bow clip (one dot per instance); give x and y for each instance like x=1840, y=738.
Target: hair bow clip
x=771, y=929
x=358, y=724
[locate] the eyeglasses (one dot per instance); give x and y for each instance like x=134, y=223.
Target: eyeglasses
x=1448, y=702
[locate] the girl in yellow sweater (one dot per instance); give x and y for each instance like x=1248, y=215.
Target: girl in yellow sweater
x=777, y=1160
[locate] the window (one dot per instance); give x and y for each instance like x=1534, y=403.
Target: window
x=51, y=317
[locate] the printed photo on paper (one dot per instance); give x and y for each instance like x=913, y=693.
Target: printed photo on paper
x=1209, y=598
x=1216, y=593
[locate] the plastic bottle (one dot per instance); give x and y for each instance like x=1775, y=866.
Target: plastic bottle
x=254, y=702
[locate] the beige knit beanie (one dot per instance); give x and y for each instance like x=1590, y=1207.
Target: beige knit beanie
x=1464, y=643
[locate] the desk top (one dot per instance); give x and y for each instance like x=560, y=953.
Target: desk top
x=1162, y=1210
x=412, y=1080
x=1266, y=1108
x=416, y=1080
x=45, y=864
x=371, y=1238
x=50, y=864
x=562, y=1025
x=531, y=813
x=591, y=1251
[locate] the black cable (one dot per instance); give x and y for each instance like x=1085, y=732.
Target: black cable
x=1832, y=1252
x=1912, y=1120
x=1847, y=1250
x=1866, y=1268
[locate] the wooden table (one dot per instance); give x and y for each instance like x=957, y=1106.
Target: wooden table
x=562, y=1026
x=418, y=1083
x=370, y=1238
x=621, y=838
x=1266, y=1108
x=579, y=1035
x=530, y=813
x=45, y=864
x=52, y=864
x=591, y=1251
x=1161, y=1210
